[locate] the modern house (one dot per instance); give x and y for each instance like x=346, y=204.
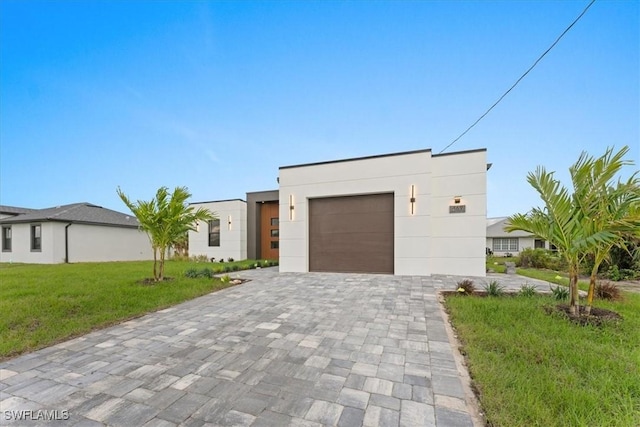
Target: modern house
x=502, y=242
x=78, y=232
x=225, y=236
x=408, y=213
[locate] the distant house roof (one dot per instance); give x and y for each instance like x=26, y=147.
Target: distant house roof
x=495, y=228
x=85, y=213
x=14, y=210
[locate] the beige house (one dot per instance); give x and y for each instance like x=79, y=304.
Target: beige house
x=503, y=243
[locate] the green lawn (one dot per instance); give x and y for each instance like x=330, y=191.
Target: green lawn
x=535, y=369
x=44, y=304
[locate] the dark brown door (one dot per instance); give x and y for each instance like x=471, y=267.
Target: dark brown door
x=269, y=230
x=351, y=234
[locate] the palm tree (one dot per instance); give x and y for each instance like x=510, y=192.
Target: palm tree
x=610, y=210
x=165, y=219
x=557, y=223
x=596, y=217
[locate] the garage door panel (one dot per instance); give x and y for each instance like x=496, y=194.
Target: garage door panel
x=351, y=234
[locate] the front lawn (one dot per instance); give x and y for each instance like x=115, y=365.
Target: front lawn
x=535, y=369
x=44, y=304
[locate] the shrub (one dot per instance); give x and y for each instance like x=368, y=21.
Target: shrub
x=629, y=274
x=527, y=290
x=195, y=273
x=494, y=289
x=608, y=291
x=533, y=258
x=466, y=287
x=191, y=273
x=613, y=273
x=560, y=293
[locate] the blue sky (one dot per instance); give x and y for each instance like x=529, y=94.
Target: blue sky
x=216, y=95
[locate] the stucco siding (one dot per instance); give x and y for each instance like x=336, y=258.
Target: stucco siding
x=95, y=243
x=21, y=244
x=233, y=231
x=428, y=241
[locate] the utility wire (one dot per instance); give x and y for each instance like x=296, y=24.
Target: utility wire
x=521, y=77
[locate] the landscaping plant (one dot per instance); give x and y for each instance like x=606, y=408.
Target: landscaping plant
x=466, y=287
x=165, y=219
x=494, y=289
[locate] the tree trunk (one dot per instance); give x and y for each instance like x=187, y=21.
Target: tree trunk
x=574, y=305
x=155, y=264
x=162, y=252
x=592, y=291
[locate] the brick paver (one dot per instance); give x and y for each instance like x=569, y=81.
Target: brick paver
x=281, y=349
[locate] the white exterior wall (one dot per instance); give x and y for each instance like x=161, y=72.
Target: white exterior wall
x=435, y=179
x=233, y=238
x=86, y=243
x=51, y=252
x=96, y=243
x=458, y=240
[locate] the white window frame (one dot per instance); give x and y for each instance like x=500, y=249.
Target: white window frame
x=506, y=244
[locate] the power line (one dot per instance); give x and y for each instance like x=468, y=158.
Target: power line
x=521, y=77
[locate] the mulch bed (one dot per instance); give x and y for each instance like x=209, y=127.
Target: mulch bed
x=597, y=317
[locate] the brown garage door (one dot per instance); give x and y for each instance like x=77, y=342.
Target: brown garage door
x=351, y=234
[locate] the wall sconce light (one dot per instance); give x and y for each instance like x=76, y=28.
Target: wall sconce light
x=291, y=207
x=197, y=226
x=456, y=200
x=229, y=221
x=412, y=199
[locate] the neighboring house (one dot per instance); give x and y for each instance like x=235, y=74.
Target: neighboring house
x=78, y=232
x=224, y=237
x=502, y=242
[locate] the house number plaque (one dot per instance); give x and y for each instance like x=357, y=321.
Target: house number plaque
x=457, y=209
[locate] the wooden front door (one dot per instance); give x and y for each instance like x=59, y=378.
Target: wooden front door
x=269, y=230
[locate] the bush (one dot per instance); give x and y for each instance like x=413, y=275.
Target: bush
x=494, y=289
x=199, y=258
x=608, y=291
x=533, y=258
x=527, y=290
x=629, y=274
x=194, y=273
x=560, y=293
x=613, y=273
x=466, y=287
x=191, y=273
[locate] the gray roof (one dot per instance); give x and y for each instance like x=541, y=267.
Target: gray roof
x=14, y=210
x=84, y=213
x=495, y=228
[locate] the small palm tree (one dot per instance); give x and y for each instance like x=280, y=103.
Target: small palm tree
x=165, y=219
x=610, y=211
x=596, y=217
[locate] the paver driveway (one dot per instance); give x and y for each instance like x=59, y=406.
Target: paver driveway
x=283, y=349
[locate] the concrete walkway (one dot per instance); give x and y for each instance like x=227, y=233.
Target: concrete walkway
x=283, y=349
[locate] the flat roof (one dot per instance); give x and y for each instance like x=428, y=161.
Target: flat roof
x=217, y=201
x=401, y=153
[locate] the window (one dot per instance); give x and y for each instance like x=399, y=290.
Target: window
x=214, y=232
x=505, y=245
x=538, y=244
x=6, y=239
x=275, y=222
x=275, y=244
x=36, y=237
x=275, y=233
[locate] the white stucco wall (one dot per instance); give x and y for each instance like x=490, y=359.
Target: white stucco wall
x=431, y=241
x=86, y=243
x=95, y=243
x=21, y=244
x=233, y=237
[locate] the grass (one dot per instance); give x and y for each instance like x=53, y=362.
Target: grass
x=559, y=278
x=44, y=304
x=535, y=369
